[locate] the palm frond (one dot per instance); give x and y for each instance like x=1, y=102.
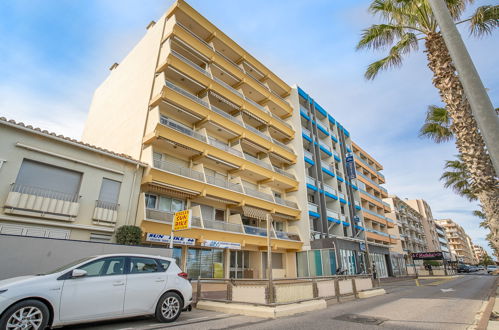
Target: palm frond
x=458, y=179
x=379, y=36
x=408, y=42
x=484, y=20
x=437, y=125
x=457, y=7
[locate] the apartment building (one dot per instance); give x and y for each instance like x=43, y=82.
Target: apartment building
x=340, y=218
x=410, y=225
x=215, y=126
x=56, y=187
x=429, y=226
x=443, y=243
x=459, y=241
x=479, y=252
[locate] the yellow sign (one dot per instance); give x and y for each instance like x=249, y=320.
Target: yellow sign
x=182, y=220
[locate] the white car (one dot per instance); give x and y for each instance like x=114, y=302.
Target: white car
x=93, y=289
x=491, y=268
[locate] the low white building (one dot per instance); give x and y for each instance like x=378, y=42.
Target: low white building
x=53, y=186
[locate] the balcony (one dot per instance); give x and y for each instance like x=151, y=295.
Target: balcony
x=179, y=170
x=332, y=214
x=283, y=172
x=310, y=181
x=329, y=189
x=224, y=147
x=259, y=194
x=306, y=132
x=281, y=201
x=313, y=207
x=308, y=155
x=25, y=199
x=224, y=184
x=105, y=213
x=260, y=162
x=282, y=145
x=325, y=148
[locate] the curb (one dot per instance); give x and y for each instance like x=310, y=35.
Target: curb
x=483, y=321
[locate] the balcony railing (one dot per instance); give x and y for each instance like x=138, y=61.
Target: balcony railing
x=329, y=189
x=283, y=172
x=306, y=131
x=336, y=154
x=254, y=130
x=341, y=195
x=258, y=161
x=281, y=120
x=328, y=167
x=332, y=214
x=222, y=146
x=195, y=35
x=250, y=230
x=155, y=214
x=308, y=154
x=43, y=192
x=182, y=129
x=179, y=170
x=325, y=146
x=286, y=235
x=192, y=64
x=259, y=194
x=223, y=226
x=106, y=205
x=186, y=93
x=285, y=202
x=311, y=180
x=226, y=115
x=372, y=196
x=229, y=87
x=312, y=207
x=224, y=183
x=282, y=145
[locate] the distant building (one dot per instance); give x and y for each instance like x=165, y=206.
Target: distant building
x=479, y=252
x=459, y=241
x=56, y=187
x=429, y=225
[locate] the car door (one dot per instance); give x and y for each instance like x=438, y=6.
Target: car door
x=98, y=294
x=146, y=280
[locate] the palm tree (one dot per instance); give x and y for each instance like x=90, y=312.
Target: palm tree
x=458, y=178
x=406, y=23
x=437, y=125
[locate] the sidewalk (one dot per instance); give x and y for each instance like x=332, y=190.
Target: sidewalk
x=494, y=314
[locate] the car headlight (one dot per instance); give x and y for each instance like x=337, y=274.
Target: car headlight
x=3, y=291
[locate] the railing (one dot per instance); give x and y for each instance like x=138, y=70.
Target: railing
x=258, y=161
x=280, y=120
x=229, y=87
x=328, y=167
x=250, y=230
x=282, y=145
x=180, y=128
x=341, y=195
x=226, y=115
x=306, y=131
x=186, y=93
x=254, y=130
x=332, y=214
x=373, y=213
x=372, y=196
x=222, y=225
x=220, y=145
x=259, y=194
x=177, y=169
x=283, y=172
x=325, y=146
x=312, y=207
x=285, y=202
x=43, y=192
x=369, y=165
x=191, y=63
x=257, y=105
x=195, y=35
x=329, y=189
x=113, y=206
x=286, y=235
x=357, y=203
x=155, y=214
x=224, y=183
x=336, y=154
x=343, y=217
x=196, y=222
x=311, y=180
x=308, y=154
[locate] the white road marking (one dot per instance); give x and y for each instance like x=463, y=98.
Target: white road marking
x=447, y=290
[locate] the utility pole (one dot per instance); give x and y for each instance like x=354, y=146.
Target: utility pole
x=481, y=106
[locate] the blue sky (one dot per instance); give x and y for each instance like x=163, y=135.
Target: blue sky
x=53, y=54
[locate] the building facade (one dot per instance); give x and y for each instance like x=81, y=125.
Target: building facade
x=410, y=225
x=55, y=187
x=213, y=123
x=479, y=252
x=342, y=215
x=429, y=226
x=444, y=244
x=459, y=242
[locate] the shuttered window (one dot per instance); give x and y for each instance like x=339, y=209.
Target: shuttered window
x=109, y=191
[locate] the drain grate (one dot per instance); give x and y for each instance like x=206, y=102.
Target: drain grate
x=364, y=319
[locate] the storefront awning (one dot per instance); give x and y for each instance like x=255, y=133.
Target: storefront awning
x=255, y=213
x=170, y=190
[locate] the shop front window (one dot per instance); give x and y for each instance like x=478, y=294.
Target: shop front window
x=207, y=263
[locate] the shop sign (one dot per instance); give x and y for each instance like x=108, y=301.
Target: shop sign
x=350, y=164
x=150, y=237
x=427, y=256
x=362, y=246
x=221, y=245
x=182, y=220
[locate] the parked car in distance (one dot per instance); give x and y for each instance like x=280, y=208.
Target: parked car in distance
x=481, y=268
x=491, y=268
x=462, y=268
x=473, y=269
x=96, y=288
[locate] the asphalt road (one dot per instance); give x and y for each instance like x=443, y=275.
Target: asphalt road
x=435, y=304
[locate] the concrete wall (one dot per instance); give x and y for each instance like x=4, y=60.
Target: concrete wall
x=119, y=107
x=20, y=143
x=23, y=255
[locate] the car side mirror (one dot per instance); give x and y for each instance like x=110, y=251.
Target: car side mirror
x=78, y=273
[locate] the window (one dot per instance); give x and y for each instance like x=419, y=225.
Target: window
x=279, y=225
x=311, y=198
x=109, y=191
x=205, y=263
x=220, y=215
x=164, y=203
x=41, y=177
x=151, y=201
x=104, y=267
x=277, y=195
x=140, y=265
x=163, y=263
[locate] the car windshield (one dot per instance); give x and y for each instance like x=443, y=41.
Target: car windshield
x=60, y=269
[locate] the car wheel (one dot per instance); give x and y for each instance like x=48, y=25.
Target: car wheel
x=169, y=307
x=25, y=315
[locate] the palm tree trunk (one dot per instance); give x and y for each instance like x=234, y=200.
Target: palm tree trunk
x=469, y=142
